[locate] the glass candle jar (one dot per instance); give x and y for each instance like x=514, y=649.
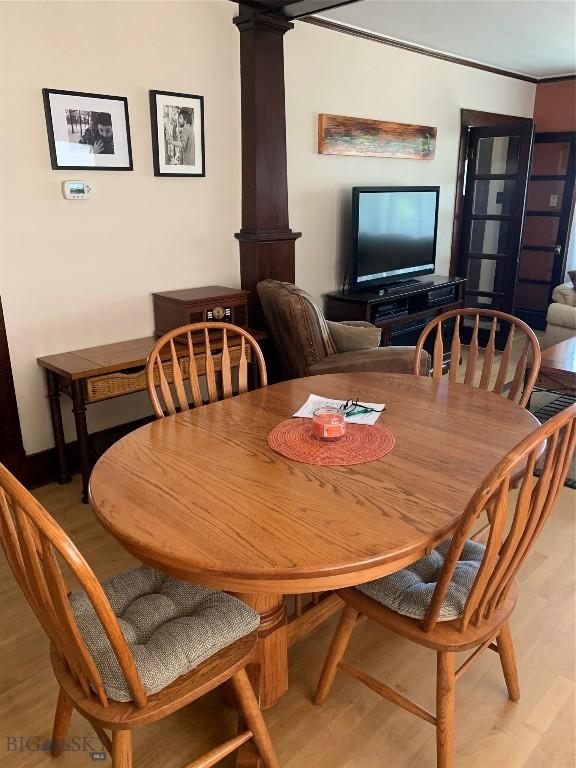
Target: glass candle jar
x=328, y=424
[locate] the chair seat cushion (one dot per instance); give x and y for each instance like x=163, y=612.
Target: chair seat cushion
x=170, y=626
x=410, y=590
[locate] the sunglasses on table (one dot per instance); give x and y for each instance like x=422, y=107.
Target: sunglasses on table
x=354, y=408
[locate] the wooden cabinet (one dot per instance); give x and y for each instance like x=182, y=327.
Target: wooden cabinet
x=400, y=311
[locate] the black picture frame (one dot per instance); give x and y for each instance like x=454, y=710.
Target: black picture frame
x=161, y=167
x=122, y=104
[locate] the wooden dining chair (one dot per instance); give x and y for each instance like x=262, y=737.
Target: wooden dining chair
x=461, y=596
x=167, y=369
x=520, y=386
x=183, y=356
x=134, y=649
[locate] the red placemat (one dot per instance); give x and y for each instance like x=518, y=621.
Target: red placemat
x=293, y=438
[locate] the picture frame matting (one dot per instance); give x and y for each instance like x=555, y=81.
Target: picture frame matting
x=178, y=143
x=87, y=131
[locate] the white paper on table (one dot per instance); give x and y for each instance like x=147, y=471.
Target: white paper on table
x=315, y=401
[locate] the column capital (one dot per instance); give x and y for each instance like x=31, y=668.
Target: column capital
x=265, y=22
x=266, y=236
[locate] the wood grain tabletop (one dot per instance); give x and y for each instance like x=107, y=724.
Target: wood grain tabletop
x=202, y=496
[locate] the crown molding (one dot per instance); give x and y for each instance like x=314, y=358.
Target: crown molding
x=335, y=26
x=556, y=79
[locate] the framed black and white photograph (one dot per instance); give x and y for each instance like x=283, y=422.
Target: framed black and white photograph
x=177, y=134
x=87, y=131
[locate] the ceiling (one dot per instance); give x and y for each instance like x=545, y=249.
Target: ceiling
x=531, y=37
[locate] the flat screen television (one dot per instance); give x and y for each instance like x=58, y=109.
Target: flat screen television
x=394, y=230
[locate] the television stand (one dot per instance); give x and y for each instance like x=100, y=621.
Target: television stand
x=401, y=311
x=392, y=287
x=386, y=290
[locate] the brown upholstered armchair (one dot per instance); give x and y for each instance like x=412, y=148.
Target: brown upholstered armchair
x=308, y=344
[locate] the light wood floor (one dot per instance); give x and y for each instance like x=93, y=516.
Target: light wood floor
x=355, y=728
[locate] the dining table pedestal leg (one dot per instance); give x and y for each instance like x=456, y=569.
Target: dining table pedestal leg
x=269, y=674
x=272, y=648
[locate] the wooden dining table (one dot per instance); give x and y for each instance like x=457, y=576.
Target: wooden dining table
x=201, y=496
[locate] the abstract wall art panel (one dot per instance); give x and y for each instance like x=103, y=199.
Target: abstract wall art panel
x=339, y=135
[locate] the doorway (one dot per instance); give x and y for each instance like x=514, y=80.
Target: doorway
x=494, y=199
x=492, y=178
x=549, y=210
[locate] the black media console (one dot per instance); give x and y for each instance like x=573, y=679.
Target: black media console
x=401, y=310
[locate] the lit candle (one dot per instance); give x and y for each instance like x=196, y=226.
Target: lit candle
x=328, y=424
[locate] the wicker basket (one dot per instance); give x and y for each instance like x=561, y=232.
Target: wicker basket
x=111, y=385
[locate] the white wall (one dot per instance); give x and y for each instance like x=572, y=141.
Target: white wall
x=339, y=74
x=77, y=274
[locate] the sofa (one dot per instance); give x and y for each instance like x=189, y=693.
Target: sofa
x=307, y=344
x=561, y=317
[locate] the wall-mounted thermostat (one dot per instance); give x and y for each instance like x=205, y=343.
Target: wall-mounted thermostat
x=76, y=190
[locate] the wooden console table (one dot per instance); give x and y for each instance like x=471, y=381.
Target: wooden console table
x=103, y=373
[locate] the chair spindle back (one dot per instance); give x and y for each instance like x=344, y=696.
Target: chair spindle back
x=200, y=354
x=520, y=390
x=510, y=537
x=31, y=540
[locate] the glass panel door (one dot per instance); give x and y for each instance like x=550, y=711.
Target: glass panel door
x=494, y=196
x=548, y=209
x=498, y=155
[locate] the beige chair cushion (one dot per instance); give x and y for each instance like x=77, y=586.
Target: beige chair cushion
x=170, y=626
x=410, y=590
x=562, y=314
x=348, y=338
x=565, y=294
x=376, y=360
x=556, y=334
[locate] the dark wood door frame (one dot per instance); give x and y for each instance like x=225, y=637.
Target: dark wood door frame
x=471, y=118
x=570, y=194
x=12, y=453
x=537, y=318
x=504, y=257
